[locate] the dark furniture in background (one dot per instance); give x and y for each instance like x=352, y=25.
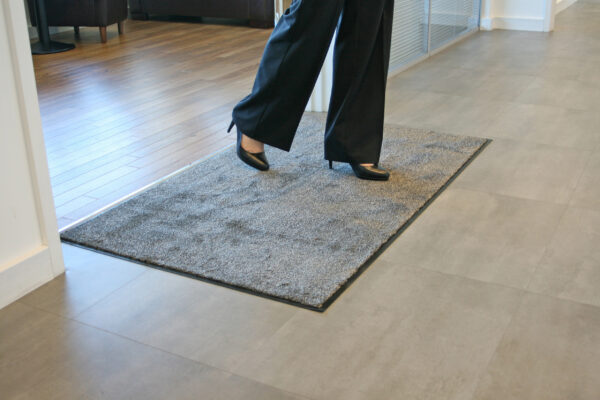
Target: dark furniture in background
x=45, y=45
x=76, y=13
x=259, y=13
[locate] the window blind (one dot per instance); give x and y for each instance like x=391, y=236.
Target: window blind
x=452, y=18
x=409, y=32
x=421, y=26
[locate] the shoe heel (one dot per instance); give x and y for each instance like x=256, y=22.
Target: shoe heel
x=230, y=126
x=330, y=164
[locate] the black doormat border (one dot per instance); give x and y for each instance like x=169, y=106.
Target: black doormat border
x=342, y=288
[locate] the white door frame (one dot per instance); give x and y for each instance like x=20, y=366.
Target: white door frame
x=43, y=260
x=550, y=15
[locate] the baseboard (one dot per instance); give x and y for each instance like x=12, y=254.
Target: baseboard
x=562, y=5
x=513, y=23
x=19, y=277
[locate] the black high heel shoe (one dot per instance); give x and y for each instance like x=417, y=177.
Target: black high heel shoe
x=369, y=172
x=255, y=160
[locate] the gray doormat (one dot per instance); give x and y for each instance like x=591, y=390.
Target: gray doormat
x=297, y=233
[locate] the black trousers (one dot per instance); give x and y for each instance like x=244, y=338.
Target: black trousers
x=290, y=66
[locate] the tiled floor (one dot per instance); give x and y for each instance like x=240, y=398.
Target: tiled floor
x=493, y=293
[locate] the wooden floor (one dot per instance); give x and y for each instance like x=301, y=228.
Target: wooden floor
x=120, y=115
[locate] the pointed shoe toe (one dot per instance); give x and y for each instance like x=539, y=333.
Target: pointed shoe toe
x=255, y=160
x=371, y=172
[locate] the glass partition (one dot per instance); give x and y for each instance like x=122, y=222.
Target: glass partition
x=280, y=7
x=452, y=18
x=410, y=32
x=422, y=26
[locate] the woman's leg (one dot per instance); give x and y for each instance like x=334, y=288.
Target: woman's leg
x=288, y=71
x=354, y=129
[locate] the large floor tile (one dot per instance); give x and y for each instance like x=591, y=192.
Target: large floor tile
x=568, y=93
x=414, y=108
x=589, y=73
x=31, y=342
x=420, y=77
x=479, y=235
x=500, y=86
x=194, y=319
x=458, y=82
x=551, y=351
x=526, y=170
x=582, y=95
x=475, y=114
x=570, y=268
x=89, y=277
x=558, y=68
x=520, y=62
x=86, y=363
x=544, y=91
x=398, y=332
x=587, y=191
x=549, y=125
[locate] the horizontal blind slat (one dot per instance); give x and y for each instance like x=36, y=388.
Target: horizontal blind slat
x=449, y=20
x=452, y=18
x=409, y=33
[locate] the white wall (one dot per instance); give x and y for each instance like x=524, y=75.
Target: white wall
x=528, y=15
x=30, y=253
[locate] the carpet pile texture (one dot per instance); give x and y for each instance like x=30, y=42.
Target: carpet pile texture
x=298, y=232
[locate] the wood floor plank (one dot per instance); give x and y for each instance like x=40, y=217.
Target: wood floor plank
x=120, y=115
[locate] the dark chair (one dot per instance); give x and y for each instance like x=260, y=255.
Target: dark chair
x=258, y=13
x=76, y=13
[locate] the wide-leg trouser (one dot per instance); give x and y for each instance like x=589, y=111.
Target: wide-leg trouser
x=290, y=66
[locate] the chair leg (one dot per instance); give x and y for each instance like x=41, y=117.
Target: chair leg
x=76, y=29
x=103, y=34
x=120, y=26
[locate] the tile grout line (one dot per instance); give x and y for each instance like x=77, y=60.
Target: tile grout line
x=552, y=236
x=489, y=362
x=507, y=195
x=587, y=164
x=111, y=292
x=524, y=290
x=129, y=339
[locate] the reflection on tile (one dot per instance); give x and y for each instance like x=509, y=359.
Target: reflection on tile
x=478, y=235
x=398, y=333
x=551, y=351
x=194, y=319
x=526, y=170
x=89, y=277
x=570, y=268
